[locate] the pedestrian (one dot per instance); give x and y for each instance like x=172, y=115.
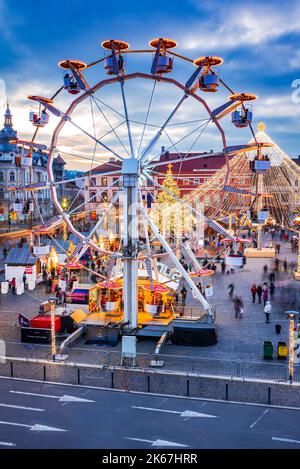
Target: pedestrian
x=24, y=279
x=272, y=291
x=238, y=307
x=223, y=266
x=278, y=248
x=259, y=293
x=13, y=285
x=52, y=273
x=285, y=264
x=5, y=253
x=183, y=295
x=267, y=311
x=58, y=296
x=265, y=294
x=265, y=269
x=230, y=290
x=272, y=277
x=253, y=291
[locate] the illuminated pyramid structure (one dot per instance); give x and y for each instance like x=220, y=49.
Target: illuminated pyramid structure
x=279, y=186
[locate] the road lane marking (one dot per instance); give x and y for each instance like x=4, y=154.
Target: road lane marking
x=36, y=427
x=286, y=440
x=64, y=398
x=158, y=442
x=34, y=409
x=7, y=443
x=259, y=418
x=185, y=413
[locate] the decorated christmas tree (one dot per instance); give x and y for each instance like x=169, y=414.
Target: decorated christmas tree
x=171, y=185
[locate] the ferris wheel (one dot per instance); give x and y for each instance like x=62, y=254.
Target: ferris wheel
x=131, y=144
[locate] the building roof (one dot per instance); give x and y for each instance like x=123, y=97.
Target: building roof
x=111, y=165
x=20, y=256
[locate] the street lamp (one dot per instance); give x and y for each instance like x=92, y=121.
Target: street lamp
x=291, y=315
x=52, y=301
x=296, y=223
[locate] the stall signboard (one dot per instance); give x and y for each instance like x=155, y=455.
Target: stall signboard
x=28, y=270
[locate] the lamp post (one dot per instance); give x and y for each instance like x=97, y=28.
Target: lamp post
x=52, y=301
x=297, y=227
x=291, y=346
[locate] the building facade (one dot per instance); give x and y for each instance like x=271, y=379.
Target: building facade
x=18, y=167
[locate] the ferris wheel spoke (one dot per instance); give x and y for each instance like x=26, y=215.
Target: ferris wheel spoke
x=147, y=116
x=176, y=261
x=156, y=137
x=101, y=218
x=151, y=162
x=97, y=140
x=111, y=127
x=98, y=193
x=127, y=119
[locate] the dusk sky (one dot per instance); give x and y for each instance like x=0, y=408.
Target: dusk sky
x=259, y=42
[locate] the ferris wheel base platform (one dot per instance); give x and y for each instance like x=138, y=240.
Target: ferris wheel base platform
x=264, y=252
x=297, y=275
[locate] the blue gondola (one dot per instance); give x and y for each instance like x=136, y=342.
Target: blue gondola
x=209, y=82
x=71, y=85
x=241, y=118
x=39, y=119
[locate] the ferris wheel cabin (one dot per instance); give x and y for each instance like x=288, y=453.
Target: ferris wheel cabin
x=209, y=80
x=162, y=62
x=114, y=63
x=70, y=82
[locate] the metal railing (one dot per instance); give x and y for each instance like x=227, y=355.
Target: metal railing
x=99, y=356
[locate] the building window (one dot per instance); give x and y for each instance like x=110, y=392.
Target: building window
x=104, y=197
x=1, y=193
x=116, y=182
x=103, y=182
x=12, y=177
x=197, y=181
x=1, y=176
x=93, y=196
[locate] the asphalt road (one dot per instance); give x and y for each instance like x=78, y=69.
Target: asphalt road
x=38, y=415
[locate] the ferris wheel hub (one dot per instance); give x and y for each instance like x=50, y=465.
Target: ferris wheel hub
x=131, y=167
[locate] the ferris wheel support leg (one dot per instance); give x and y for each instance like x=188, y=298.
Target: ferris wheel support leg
x=184, y=273
x=130, y=238
x=259, y=236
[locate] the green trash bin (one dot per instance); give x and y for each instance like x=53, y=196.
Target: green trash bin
x=268, y=350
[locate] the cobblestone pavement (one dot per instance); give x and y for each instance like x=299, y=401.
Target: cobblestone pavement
x=238, y=339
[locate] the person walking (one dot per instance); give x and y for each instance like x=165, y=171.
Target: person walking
x=267, y=311
x=24, y=279
x=183, y=295
x=272, y=277
x=253, y=291
x=230, y=290
x=265, y=269
x=272, y=291
x=285, y=264
x=13, y=285
x=238, y=307
x=223, y=266
x=278, y=248
x=259, y=293
x=265, y=294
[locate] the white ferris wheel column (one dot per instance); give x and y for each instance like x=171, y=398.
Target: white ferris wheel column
x=130, y=174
